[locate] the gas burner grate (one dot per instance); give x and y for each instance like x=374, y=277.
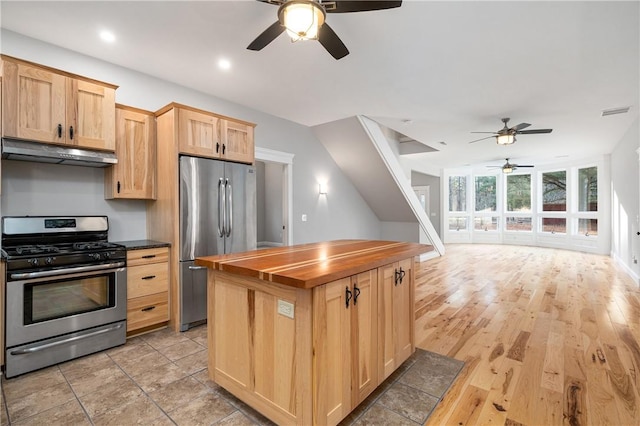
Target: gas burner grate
x=36, y=249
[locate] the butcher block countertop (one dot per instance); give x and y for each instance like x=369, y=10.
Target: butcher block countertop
x=309, y=265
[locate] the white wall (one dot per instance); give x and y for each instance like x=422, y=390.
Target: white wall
x=625, y=244
x=433, y=182
x=341, y=214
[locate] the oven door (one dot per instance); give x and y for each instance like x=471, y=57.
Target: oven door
x=48, y=306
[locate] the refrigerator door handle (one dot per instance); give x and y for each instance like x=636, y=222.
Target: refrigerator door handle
x=221, y=209
x=229, y=214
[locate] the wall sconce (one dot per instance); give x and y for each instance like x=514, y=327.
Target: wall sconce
x=322, y=188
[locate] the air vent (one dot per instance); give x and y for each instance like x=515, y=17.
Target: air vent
x=614, y=111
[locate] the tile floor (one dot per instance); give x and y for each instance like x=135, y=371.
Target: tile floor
x=161, y=378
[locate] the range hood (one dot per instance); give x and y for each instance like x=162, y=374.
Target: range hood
x=15, y=149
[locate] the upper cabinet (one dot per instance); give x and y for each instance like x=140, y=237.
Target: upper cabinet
x=42, y=104
x=205, y=134
x=134, y=176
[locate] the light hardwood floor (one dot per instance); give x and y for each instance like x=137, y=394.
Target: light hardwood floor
x=548, y=337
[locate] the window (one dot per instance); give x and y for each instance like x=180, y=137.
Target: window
x=485, y=193
x=554, y=225
x=457, y=193
x=518, y=223
x=554, y=191
x=489, y=223
x=457, y=223
x=588, y=227
x=519, y=193
x=588, y=189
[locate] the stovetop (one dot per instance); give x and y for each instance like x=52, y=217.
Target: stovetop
x=31, y=250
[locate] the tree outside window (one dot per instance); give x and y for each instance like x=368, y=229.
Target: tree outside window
x=519, y=193
x=457, y=193
x=588, y=189
x=486, y=194
x=554, y=191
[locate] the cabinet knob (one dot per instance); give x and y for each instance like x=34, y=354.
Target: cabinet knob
x=71, y=132
x=356, y=293
x=59, y=130
x=147, y=309
x=348, y=296
x=148, y=277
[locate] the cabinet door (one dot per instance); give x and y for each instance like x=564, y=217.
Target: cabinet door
x=395, y=316
x=33, y=103
x=91, y=115
x=364, y=335
x=386, y=350
x=237, y=143
x=403, y=325
x=199, y=134
x=134, y=175
x=332, y=352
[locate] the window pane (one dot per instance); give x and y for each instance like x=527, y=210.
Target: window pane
x=555, y=225
x=457, y=193
x=486, y=223
x=588, y=227
x=518, y=223
x=588, y=189
x=485, y=193
x=554, y=191
x=457, y=223
x=518, y=193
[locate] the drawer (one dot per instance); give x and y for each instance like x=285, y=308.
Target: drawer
x=144, y=256
x=147, y=310
x=144, y=280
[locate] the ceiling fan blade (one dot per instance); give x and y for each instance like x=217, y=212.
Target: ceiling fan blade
x=478, y=140
x=532, y=132
x=520, y=165
x=485, y=132
x=267, y=36
x=520, y=126
x=330, y=40
x=273, y=2
x=361, y=6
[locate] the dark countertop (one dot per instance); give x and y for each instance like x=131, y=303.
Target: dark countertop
x=309, y=265
x=142, y=244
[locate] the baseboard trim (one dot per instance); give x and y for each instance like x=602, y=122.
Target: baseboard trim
x=626, y=268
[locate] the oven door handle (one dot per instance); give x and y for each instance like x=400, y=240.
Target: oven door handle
x=38, y=348
x=65, y=271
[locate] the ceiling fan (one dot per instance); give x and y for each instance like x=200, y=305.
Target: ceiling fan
x=510, y=167
x=507, y=135
x=305, y=20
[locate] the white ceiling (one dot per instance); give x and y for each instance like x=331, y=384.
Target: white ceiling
x=449, y=67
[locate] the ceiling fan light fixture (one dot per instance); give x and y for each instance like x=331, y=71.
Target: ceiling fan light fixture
x=505, y=139
x=507, y=169
x=302, y=19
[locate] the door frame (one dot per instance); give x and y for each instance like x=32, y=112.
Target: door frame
x=286, y=160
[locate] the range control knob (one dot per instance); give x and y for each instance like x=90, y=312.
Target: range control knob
x=107, y=255
x=95, y=256
x=49, y=260
x=33, y=262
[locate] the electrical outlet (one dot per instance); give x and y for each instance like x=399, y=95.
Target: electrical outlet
x=304, y=217
x=286, y=308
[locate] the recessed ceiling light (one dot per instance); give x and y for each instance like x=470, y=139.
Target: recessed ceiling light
x=224, y=64
x=107, y=36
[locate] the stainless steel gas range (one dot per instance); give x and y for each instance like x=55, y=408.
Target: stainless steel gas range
x=65, y=290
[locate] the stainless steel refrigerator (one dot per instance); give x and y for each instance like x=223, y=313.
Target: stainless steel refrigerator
x=217, y=216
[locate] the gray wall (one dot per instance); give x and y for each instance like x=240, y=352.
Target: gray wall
x=433, y=182
x=625, y=244
x=269, y=180
x=341, y=214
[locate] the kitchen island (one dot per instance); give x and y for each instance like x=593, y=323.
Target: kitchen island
x=305, y=333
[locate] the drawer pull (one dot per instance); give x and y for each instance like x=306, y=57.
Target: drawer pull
x=148, y=308
x=149, y=277
x=148, y=256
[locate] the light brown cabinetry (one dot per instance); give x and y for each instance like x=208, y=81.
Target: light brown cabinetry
x=42, y=104
x=3, y=284
x=395, y=315
x=205, y=134
x=134, y=176
x=147, y=289
x=345, y=345
x=308, y=356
